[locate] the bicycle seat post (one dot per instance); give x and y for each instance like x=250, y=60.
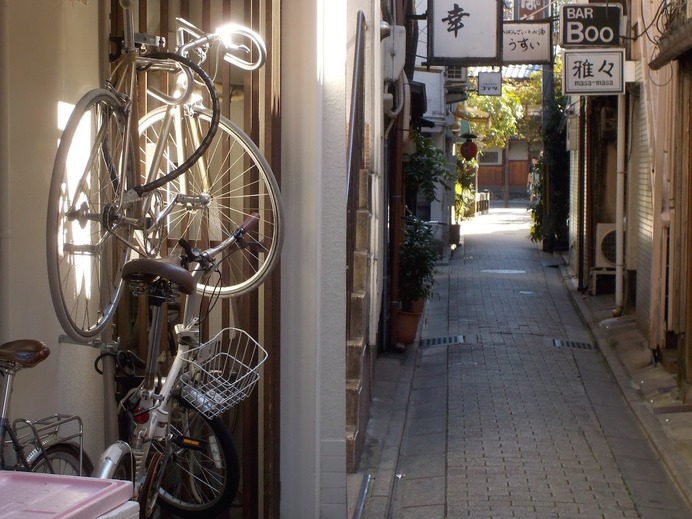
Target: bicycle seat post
x=7, y=376
x=162, y=279
x=156, y=305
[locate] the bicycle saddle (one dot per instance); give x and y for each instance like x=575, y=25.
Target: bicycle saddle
x=168, y=268
x=25, y=352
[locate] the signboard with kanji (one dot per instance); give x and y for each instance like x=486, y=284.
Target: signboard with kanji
x=590, y=25
x=464, y=32
x=527, y=42
x=593, y=72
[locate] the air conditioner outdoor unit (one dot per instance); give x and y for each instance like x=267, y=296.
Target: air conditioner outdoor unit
x=605, y=245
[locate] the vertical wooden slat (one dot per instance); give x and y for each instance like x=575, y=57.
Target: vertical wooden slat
x=272, y=299
x=250, y=408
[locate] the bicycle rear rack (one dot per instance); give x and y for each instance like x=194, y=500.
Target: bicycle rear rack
x=42, y=434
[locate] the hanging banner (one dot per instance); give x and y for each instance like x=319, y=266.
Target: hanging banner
x=527, y=42
x=464, y=32
x=593, y=72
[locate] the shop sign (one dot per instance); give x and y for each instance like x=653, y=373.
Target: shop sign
x=490, y=83
x=593, y=72
x=590, y=25
x=532, y=9
x=527, y=42
x=464, y=32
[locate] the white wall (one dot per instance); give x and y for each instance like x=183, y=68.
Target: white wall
x=50, y=49
x=313, y=454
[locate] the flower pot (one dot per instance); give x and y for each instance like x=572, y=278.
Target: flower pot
x=407, y=326
x=417, y=306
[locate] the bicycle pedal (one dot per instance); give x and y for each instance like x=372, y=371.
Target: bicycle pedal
x=190, y=443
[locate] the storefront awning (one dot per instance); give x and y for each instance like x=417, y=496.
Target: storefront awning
x=672, y=45
x=473, y=115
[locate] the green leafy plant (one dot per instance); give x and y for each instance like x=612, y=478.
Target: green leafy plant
x=465, y=188
x=417, y=257
x=537, y=208
x=424, y=168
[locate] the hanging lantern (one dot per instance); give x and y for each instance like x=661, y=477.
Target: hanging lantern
x=469, y=149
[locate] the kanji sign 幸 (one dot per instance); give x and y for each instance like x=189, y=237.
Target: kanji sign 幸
x=464, y=32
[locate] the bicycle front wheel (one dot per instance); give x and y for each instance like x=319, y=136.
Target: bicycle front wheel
x=209, y=202
x=63, y=459
x=87, y=230
x=201, y=476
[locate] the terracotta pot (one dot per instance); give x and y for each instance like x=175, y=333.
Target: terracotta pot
x=407, y=326
x=417, y=306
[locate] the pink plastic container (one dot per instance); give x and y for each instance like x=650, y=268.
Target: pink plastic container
x=25, y=495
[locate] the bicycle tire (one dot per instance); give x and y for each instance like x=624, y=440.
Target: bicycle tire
x=229, y=183
x=63, y=458
x=148, y=493
x=205, y=142
x=202, y=481
x=86, y=239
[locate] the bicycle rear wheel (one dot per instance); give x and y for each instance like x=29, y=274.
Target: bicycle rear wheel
x=87, y=233
x=209, y=202
x=63, y=459
x=201, y=477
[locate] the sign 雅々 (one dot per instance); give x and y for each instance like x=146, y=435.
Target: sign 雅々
x=593, y=72
x=590, y=25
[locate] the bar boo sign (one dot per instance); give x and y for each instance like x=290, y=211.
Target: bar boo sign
x=590, y=25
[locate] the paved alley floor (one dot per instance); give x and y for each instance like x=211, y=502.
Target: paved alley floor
x=506, y=407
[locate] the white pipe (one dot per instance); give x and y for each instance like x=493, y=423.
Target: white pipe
x=620, y=208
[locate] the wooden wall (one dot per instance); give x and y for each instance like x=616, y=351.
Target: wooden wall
x=493, y=177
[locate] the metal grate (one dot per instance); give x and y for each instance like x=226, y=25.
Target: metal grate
x=440, y=341
x=574, y=345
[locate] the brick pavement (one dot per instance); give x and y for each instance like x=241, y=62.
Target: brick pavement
x=507, y=408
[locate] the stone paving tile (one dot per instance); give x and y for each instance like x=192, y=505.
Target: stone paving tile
x=506, y=424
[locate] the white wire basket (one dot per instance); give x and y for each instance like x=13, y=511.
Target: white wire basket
x=222, y=372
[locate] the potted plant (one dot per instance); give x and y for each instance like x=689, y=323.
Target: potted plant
x=417, y=257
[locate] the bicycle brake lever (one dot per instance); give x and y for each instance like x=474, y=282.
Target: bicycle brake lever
x=192, y=255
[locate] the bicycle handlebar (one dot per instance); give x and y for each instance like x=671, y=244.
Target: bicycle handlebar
x=223, y=35
x=193, y=255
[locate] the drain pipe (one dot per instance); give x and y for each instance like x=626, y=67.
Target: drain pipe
x=620, y=209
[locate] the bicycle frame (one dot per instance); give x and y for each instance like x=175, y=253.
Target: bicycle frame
x=155, y=404
x=180, y=110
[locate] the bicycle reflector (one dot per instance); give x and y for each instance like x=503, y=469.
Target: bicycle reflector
x=140, y=416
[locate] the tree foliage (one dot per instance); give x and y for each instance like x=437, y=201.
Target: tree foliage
x=505, y=112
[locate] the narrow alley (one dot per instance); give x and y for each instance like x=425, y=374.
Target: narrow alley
x=506, y=407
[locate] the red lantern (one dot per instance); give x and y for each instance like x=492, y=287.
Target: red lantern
x=468, y=148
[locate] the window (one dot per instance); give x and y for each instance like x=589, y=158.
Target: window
x=457, y=73
x=490, y=158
